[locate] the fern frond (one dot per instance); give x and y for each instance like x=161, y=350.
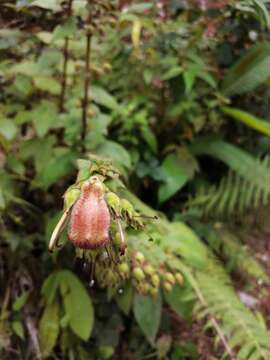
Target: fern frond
x=240, y=332
x=237, y=255
x=233, y=196
x=237, y=327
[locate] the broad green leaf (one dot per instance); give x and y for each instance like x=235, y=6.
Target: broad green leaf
x=176, y=172
x=18, y=329
x=49, y=328
x=68, y=29
x=61, y=164
x=78, y=305
x=102, y=97
x=115, y=152
x=250, y=71
x=48, y=84
x=48, y=4
x=45, y=36
x=147, y=312
x=255, y=123
x=7, y=128
x=29, y=68
x=49, y=287
x=40, y=149
x=44, y=116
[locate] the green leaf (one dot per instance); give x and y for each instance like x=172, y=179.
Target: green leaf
x=61, y=164
x=182, y=239
x=177, y=301
x=253, y=122
x=147, y=313
x=2, y=199
x=49, y=328
x=49, y=287
x=48, y=84
x=124, y=300
x=102, y=97
x=116, y=152
x=68, y=29
x=20, y=301
x=18, y=329
x=176, y=172
x=139, y=8
x=250, y=71
x=47, y=4
x=78, y=305
x=262, y=6
x=237, y=159
x=44, y=116
x=8, y=129
x=29, y=68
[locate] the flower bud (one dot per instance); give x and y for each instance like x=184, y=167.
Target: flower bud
x=138, y=274
x=153, y=291
x=123, y=268
x=139, y=257
x=179, y=278
x=149, y=270
x=127, y=207
x=117, y=239
x=155, y=280
x=71, y=196
x=113, y=201
x=167, y=286
x=169, y=277
x=145, y=287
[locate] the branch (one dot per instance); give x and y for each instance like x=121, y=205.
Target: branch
x=64, y=71
x=86, y=86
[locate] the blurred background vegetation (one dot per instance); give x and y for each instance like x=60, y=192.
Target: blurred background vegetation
x=176, y=94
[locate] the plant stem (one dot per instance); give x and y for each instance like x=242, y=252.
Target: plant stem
x=86, y=86
x=66, y=58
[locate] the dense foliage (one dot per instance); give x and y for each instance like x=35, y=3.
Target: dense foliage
x=168, y=103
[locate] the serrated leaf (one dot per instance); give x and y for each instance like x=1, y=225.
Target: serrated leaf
x=147, y=312
x=116, y=152
x=49, y=328
x=60, y=165
x=44, y=116
x=250, y=71
x=78, y=305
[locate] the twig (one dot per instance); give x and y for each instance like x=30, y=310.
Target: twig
x=66, y=58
